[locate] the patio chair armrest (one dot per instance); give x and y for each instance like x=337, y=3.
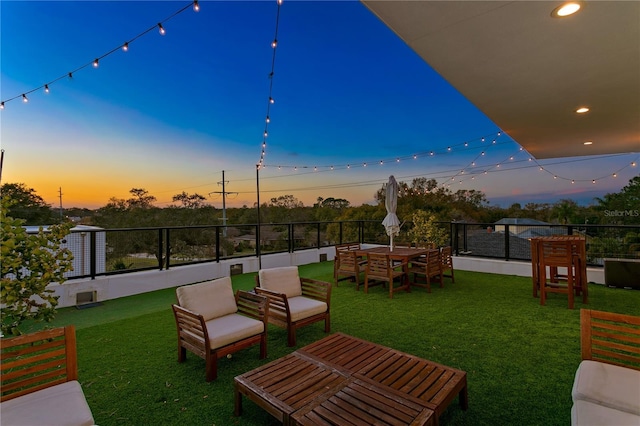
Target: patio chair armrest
x=252, y=305
x=191, y=329
x=417, y=263
x=278, y=304
x=316, y=289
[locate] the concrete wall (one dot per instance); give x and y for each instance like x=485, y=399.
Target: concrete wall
x=128, y=284
x=518, y=268
x=115, y=286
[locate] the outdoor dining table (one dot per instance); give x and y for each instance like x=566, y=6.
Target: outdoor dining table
x=400, y=254
x=404, y=254
x=579, y=263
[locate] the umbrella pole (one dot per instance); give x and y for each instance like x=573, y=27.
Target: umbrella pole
x=391, y=243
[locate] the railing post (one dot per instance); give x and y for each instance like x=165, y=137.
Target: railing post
x=340, y=232
x=160, y=245
x=318, y=228
x=167, y=250
x=258, y=251
x=506, y=242
x=92, y=255
x=217, y=244
x=456, y=236
x=291, y=238
x=569, y=230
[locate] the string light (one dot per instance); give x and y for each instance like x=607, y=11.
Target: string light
x=161, y=29
x=24, y=98
x=271, y=101
x=2, y=105
x=124, y=47
x=196, y=6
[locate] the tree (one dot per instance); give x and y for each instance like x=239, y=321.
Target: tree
x=27, y=205
x=622, y=207
x=190, y=201
x=29, y=264
x=140, y=199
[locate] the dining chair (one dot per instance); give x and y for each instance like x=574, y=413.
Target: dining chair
x=342, y=247
x=380, y=269
x=556, y=254
x=350, y=265
x=447, y=263
x=429, y=266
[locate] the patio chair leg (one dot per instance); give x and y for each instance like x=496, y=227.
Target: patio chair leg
x=182, y=354
x=327, y=324
x=263, y=347
x=212, y=367
x=291, y=336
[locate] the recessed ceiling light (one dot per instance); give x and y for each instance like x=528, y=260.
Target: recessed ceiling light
x=565, y=10
x=588, y=143
x=582, y=110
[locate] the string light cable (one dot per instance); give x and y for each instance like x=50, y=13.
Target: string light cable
x=270, y=100
x=94, y=63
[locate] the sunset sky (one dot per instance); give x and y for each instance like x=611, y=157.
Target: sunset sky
x=175, y=110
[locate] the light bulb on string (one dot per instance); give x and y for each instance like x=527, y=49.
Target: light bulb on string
x=633, y=164
x=268, y=120
x=161, y=29
x=274, y=43
x=573, y=181
x=46, y=88
x=615, y=175
x=95, y=63
x=125, y=46
x=2, y=105
x=593, y=181
x=271, y=100
x=24, y=98
x=196, y=6
x=279, y=2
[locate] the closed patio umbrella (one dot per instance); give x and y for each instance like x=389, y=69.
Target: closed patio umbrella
x=391, y=221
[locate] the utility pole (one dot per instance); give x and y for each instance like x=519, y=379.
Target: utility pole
x=60, y=192
x=224, y=203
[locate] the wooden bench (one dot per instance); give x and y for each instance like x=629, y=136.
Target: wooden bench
x=606, y=389
x=39, y=376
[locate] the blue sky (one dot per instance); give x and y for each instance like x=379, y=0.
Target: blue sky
x=174, y=111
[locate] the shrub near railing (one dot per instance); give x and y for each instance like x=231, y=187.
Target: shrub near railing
x=136, y=249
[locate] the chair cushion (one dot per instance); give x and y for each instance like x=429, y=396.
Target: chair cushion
x=59, y=405
x=585, y=413
x=303, y=307
x=211, y=299
x=282, y=280
x=232, y=328
x=609, y=385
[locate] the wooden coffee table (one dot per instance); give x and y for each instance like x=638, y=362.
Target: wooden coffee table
x=322, y=378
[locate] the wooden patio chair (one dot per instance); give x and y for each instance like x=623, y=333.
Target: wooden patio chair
x=429, y=266
x=39, y=376
x=447, y=263
x=350, y=265
x=342, y=247
x=212, y=322
x=381, y=269
x=294, y=301
x=555, y=254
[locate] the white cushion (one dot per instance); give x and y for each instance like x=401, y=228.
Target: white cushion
x=282, y=280
x=585, y=413
x=59, y=405
x=232, y=328
x=609, y=385
x=211, y=299
x=303, y=307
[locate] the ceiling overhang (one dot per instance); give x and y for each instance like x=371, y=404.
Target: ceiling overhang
x=529, y=72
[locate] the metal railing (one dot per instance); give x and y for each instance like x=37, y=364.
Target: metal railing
x=115, y=251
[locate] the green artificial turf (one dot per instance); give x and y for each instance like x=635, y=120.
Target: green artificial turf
x=520, y=357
